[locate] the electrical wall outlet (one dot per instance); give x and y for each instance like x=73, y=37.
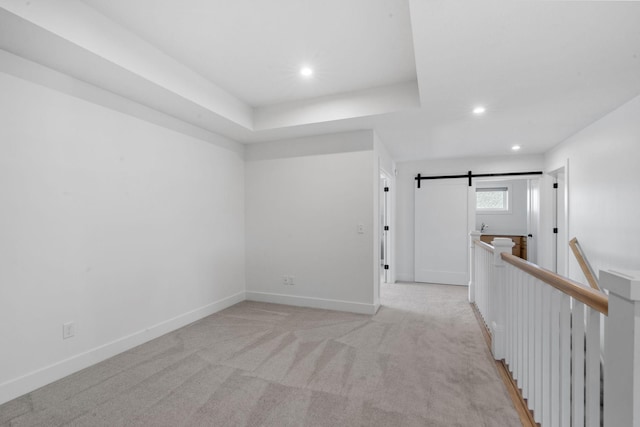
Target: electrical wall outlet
x=292, y=280
x=68, y=330
x=287, y=280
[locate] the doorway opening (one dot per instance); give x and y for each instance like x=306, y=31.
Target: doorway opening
x=510, y=208
x=385, y=228
x=560, y=242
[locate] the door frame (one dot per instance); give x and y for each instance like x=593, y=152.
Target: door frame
x=385, y=214
x=533, y=221
x=560, y=219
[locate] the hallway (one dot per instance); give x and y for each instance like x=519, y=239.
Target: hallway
x=451, y=352
x=420, y=361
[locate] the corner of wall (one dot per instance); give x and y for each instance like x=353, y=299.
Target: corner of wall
x=323, y=188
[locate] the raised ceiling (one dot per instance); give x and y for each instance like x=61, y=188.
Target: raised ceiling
x=410, y=70
x=255, y=49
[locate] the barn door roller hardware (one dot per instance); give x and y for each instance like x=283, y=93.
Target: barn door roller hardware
x=470, y=175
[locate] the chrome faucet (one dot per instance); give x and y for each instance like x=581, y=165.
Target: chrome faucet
x=483, y=227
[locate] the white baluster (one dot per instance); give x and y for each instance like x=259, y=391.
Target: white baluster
x=479, y=282
x=509, y=314
x=480, y=288
x=514, y=319
x=577, y=352
x=473, y=236
x=555, y=356
x=592, y=380
x=565, y=360
x=526, y=324
x=518, y=327
x=536, y=404
x=546, y=356
x=488, y=290
x=530, y=297
x=522, y=326
x=485, y=286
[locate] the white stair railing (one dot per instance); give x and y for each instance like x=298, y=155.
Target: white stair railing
x=546, y=329
x=480, y=263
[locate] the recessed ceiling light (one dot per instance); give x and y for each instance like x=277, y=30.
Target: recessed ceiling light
x=306, y=72
x=479, y=110
x=515, y=147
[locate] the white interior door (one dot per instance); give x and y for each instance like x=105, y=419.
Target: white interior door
x=533, y=220
x=560, y=232
x=442, y=212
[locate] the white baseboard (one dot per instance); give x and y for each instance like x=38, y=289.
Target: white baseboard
x=404, y=278
x=327, y=304
x=18, y=386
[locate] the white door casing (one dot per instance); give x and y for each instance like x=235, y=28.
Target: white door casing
x=533, y=219
x=385, y=246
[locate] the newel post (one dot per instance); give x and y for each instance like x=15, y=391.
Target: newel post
x=473, y=236
x=498, y=299
x=622, y=349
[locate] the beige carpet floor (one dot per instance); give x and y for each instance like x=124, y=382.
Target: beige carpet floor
x=420, y=361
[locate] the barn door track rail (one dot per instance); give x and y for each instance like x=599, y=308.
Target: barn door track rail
x=470, y=175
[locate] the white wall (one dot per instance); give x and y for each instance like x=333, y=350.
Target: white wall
x=303, y=206
x=513, y=222
x=405, y=183
x=126, y=228
x=603, y=190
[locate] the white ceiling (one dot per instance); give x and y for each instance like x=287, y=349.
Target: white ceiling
x=411, y=70
x=254, y=49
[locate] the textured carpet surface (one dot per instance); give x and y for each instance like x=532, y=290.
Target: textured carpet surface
x=420, y=361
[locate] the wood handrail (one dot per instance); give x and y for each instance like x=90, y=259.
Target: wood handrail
x=484, y=245
x=584, y=263
x=594, y=299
